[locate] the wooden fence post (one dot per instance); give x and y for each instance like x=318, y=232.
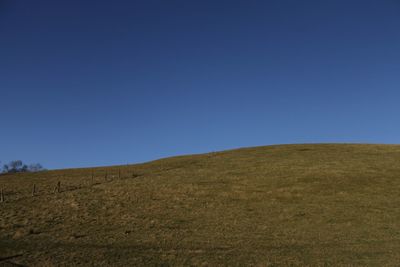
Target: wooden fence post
x=92, y=177
x=2, y=195
x=58, y=187
x=119, y=174
x=34, y=190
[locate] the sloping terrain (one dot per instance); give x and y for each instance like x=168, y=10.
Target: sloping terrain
x=296, y=205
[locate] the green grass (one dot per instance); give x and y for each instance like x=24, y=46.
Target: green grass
x=298, y=205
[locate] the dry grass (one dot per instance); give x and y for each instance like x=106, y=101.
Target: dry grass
x=286, y=205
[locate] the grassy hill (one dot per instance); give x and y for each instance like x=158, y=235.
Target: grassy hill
x=298, y=205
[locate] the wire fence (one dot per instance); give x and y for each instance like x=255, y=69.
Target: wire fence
x=61, y=184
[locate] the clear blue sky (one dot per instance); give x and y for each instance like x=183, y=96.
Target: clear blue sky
x=89, y=83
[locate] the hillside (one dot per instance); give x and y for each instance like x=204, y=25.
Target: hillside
x=298, y=205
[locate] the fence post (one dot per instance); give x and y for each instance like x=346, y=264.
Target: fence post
x=58, y=187
x=2, y=195
x=92, y=176
x=34, y=190
x=119, y=174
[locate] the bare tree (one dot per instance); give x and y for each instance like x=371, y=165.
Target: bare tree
x=15, y=166
x=35, y=167
x=18, y=166
x=6, y=168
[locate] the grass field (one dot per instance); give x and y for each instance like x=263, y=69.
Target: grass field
x=289, y=205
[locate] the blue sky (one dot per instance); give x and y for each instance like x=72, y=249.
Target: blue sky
x=91, y=83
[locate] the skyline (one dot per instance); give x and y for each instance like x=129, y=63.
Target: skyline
x=92, y=84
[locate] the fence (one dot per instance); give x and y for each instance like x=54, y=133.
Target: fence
x=59, y=187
